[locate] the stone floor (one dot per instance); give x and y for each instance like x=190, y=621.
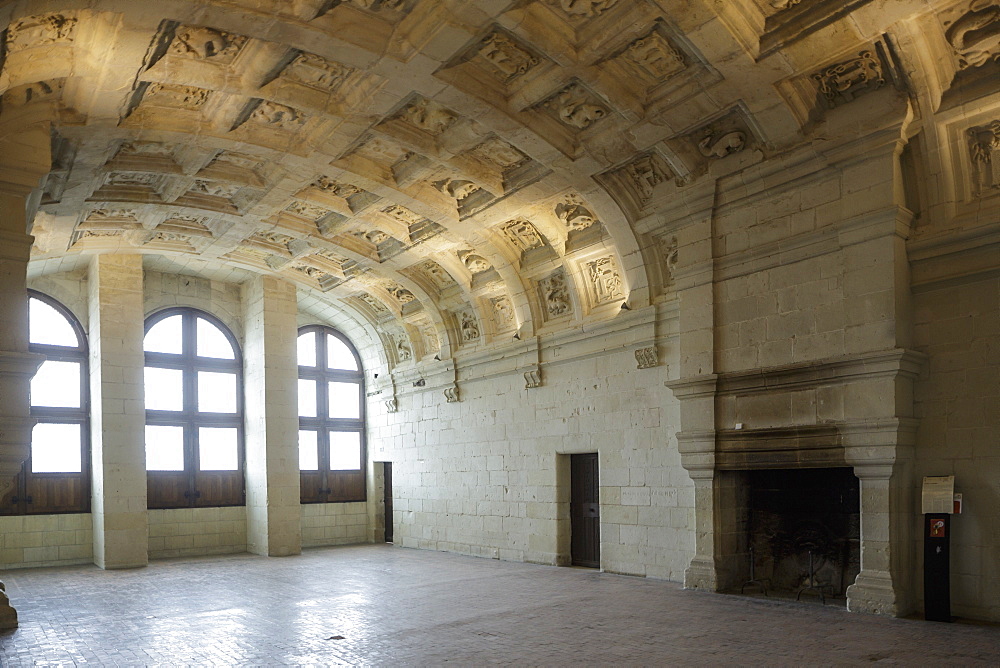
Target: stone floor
x=388, y=606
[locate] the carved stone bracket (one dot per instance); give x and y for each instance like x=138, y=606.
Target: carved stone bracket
x=391, y=405
x=646, y=357
x=532, y=378
x=451, y=394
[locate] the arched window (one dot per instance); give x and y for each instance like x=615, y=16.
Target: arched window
x=332, y=451
x=194, y=411
x=56, y=476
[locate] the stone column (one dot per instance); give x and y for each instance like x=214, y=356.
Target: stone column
x=24, y=161
x=274, y=520
x=695, y=388
x=118, y=414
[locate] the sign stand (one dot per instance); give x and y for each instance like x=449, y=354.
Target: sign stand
x=938, y=503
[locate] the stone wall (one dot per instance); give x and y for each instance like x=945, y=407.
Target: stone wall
x=958, y=403
x=334, y=524
x=184, y=532
x=46, y=540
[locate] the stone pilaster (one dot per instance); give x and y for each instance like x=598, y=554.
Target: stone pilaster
x=118, y=416
x=24, y=161
x=274, y=523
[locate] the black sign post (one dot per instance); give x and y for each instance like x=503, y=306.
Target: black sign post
x=937, y=582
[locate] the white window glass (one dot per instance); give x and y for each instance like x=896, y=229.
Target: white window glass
x=55, y=448
x=345, y=451
x=345, y=401
x=307, y=349
x=164, y=448
x=217, y=449
x=307, y=398
x=164, y=389
x=164, y=336
x=212, y=342
x=338, y=355
x=308, y=451
x=216, y=392
x=56, y=384
x=49, y=326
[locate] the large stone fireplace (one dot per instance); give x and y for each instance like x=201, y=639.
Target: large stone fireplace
x=802, y=528
x=812, y=457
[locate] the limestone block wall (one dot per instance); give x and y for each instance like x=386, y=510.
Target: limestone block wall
x=958, y=403
x=807, y=273
x=46, y=540
x=184, y=532
x=334, y=523
x=488, y=475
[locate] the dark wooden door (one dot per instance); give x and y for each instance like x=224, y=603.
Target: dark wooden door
x=585, y=511
x=387, y=473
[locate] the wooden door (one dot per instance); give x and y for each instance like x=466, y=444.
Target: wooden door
x=387, y=475
x=585, y=511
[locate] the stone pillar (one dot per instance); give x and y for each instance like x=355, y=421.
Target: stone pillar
x=118, y=414
x=274, y=520
x=24, y=160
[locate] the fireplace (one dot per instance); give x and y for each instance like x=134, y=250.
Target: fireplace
x=791, y=513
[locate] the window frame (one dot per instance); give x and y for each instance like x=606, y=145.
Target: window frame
x=59, y=485
x=182, y=489
x=325, y=485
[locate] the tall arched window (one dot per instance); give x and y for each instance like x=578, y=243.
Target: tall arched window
x=332, y=451
x=194, y=411
x=56, y=476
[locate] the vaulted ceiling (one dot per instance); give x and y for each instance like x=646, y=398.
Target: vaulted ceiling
x=450, y=171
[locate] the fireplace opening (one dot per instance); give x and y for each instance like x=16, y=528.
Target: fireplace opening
x=803, y=531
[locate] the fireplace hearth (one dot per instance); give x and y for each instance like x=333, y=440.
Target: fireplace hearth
x=790, y=514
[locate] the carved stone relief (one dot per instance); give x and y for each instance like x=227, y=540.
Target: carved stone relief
x=532, y=378
x=984, y=151
x=374, y=236
x=336, y=188
x=555, y=295
x=584, y=8
x=503, y=312
x=316, y=71
x=403, y=215
x=214, y=189
x=391, y=406
x=375, y=5
x=451, y=394
x=500, y=153
x=476, y=263
x=783, y=4
x=605, y=279
x=646, y=357
x=376, y=305
x=653, y=55
x=277, y=116
x=436, y=273
x=204, y=43
x=400, y=294
x=469, y=326
x=145, y=148
x=522, y=235
x=507, y=59
x=576, y=107
x=668, y=251
x=716, y=146
x=430, y=337
x=574, y=215
x=975, y=35
x=457, y=189
x=40, y=31
x=643, y=174
x=844, y=81
x=306, y=210
x=429, y=116
x=403, y=350
x=132, y=179
x=182, y=97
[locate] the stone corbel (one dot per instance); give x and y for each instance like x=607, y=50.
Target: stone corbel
x=451, y=394
x=533, y=378
x=646, y=358
x=391, y=405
